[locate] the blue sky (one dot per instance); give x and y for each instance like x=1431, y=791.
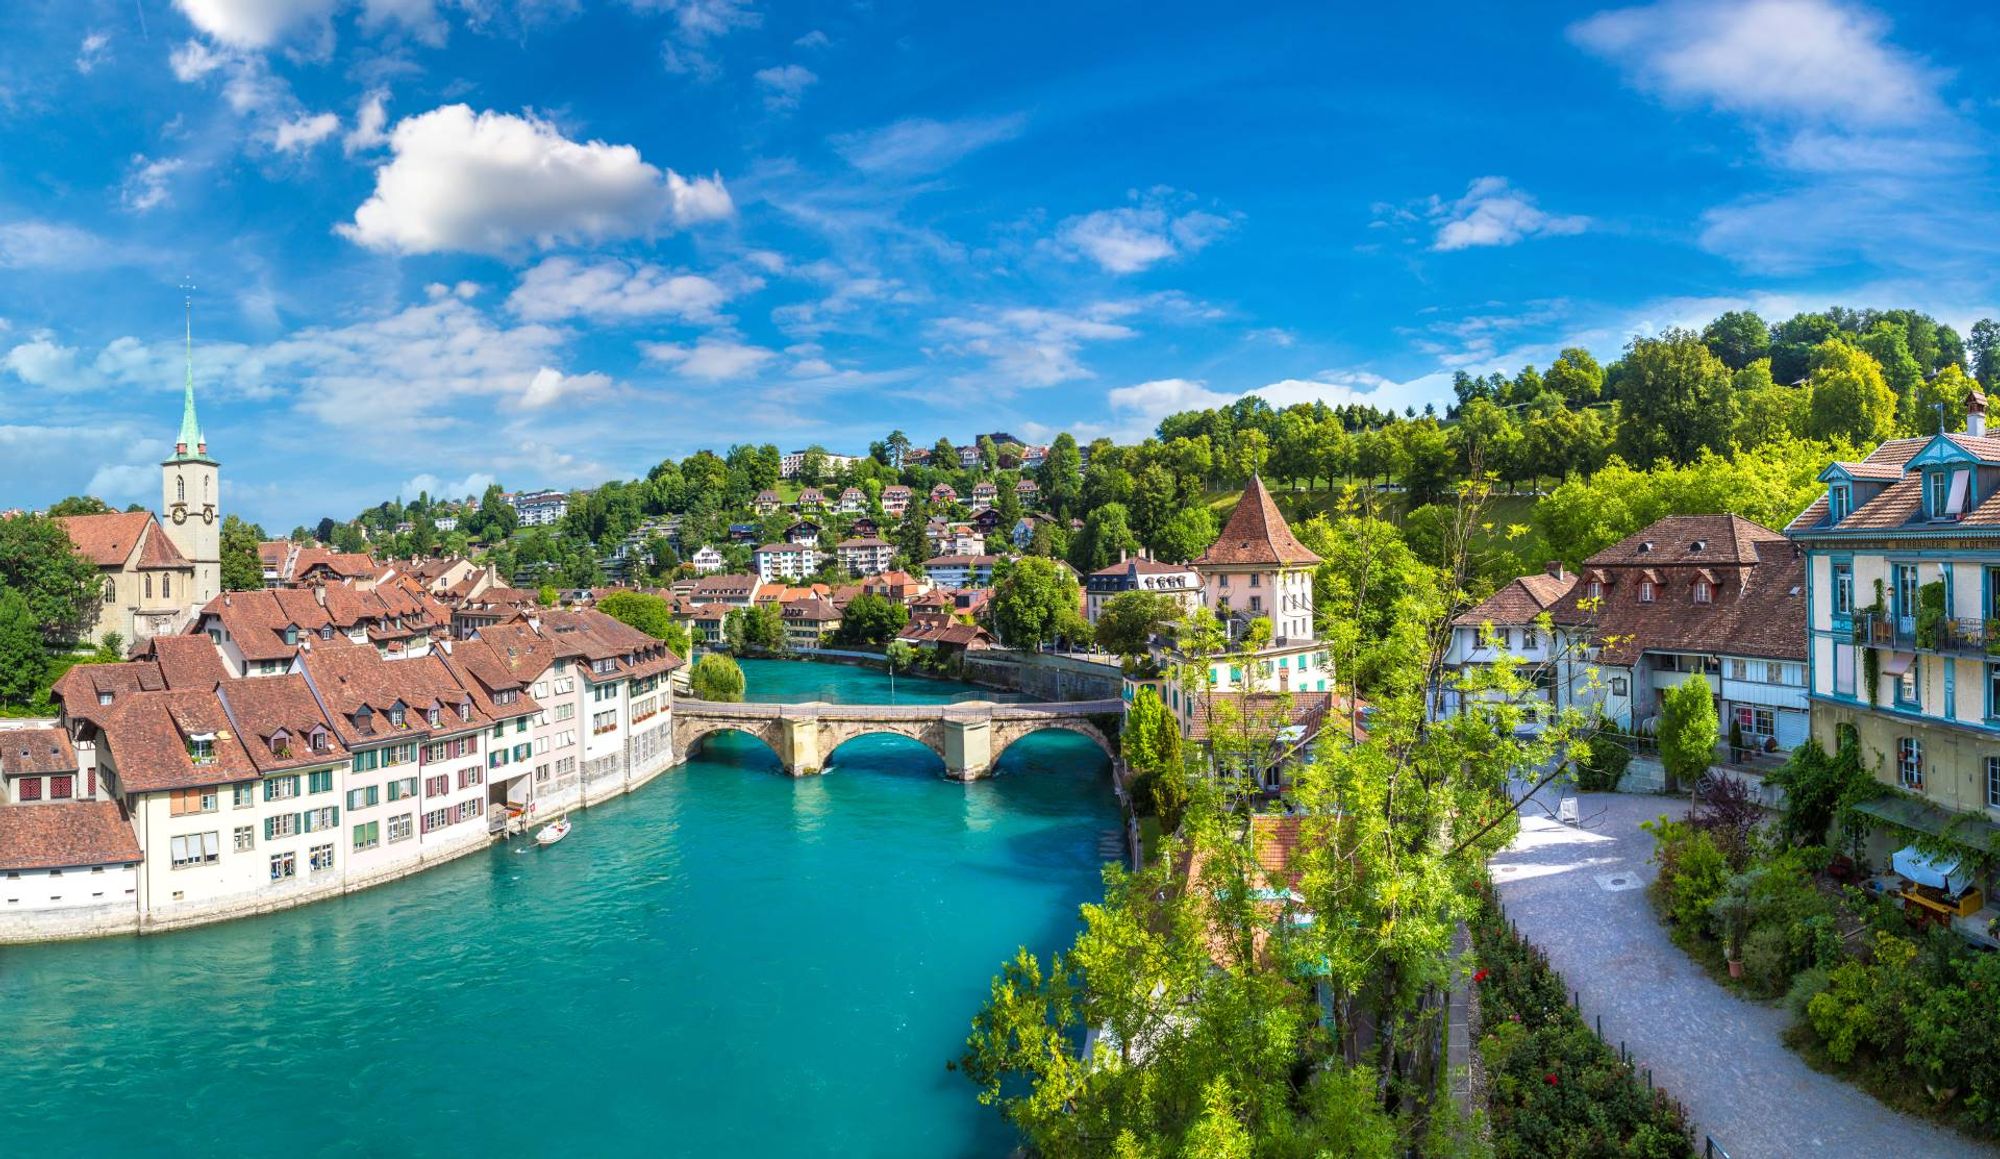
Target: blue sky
x=441, y=242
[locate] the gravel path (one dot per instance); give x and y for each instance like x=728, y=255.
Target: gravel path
x=1579, y=893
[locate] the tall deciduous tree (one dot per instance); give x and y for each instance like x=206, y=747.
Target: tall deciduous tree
x=1107, y=532
x=1677, y=397
x=1739, y=338
x=1688, y=733
x=1576, y=376
x=1061, y=477
x=1128, y=621
x=1035, y=602
x=242, y=570
x=24, y=658
x=647, y=613
x=1850, y=399
x=62, y=589
x=871, y=619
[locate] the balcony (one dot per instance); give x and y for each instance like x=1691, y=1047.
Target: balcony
x=1949, y=636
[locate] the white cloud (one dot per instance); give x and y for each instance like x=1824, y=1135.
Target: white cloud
x=1131, y=238
x=419, y=17
x=369, y=121
x=920, y=145
x=92, y=52
x=1493, y=213
x=613, y=290
x=1036, y=347
x=195, y=60
x=42, y=362
x=710, y=359
x=550, y=386
x=494, y=183
x=1136, y=410
x=48, y=245
x=255, y=24
x=784, y=85
x=1813, y=60
x=813, y=39
x=303, y=132
x=146, y=185
x=696, y=24
x=475, y=484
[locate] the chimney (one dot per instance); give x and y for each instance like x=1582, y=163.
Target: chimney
x=1555, y=568
x=1975, y=413
x=1121, y=555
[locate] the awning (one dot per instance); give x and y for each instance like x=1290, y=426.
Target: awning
x=1974, y=832
x=1898, y=663
x=1939, y=871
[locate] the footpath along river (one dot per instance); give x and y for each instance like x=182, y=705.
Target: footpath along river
x=727, y=962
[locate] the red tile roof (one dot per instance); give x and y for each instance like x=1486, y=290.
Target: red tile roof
x=107, y=540
x=1520, y=602
x=35, y=751
x=1256, y=534
x=66, y=835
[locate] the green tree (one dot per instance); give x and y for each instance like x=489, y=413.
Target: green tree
x=1677, y=400
x=1061, y=477
x=78, y=505
x=24, y=657
x=1185, y=535
x=1576, y=376
x=1688, y=732
x=242, y=570
x=1106, y=533
x=1738, y=338
x=63, y=589
x=1035, y=602
x=1850, y=399
x=1941, y=400
x=1985, y=351
x=1792, y=344
x=649, y=614
x=1427, y=462
x=871, y=619
x=1128, y=621
x=716, y=677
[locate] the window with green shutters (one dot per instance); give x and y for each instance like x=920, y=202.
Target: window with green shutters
x=319, y=781
x=366, y=762
x=367, y=835
x=281, y=788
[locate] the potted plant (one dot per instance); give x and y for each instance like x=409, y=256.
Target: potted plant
x=1732, y=921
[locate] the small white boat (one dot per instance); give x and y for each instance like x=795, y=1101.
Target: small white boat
x=553, y=832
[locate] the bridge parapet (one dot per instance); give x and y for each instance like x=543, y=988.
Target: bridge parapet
x=969, y=735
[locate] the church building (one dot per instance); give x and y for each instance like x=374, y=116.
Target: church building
x=156, y=571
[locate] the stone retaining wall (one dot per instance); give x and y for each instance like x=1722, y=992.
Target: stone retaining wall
x=1044, y=676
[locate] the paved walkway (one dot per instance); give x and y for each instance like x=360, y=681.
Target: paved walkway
x=1579, y=894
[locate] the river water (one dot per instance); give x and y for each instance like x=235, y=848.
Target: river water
x=727, y=962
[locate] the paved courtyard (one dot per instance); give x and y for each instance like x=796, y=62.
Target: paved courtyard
x=1579, y=893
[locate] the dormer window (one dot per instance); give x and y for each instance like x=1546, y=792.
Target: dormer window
x=465, y=711
x=1647, y=590
x=318, y=740
x=396, y=716
x=1704, y=592
x=1596, y=590
x=104, y=697
x=1646, y=547
x=326, y=632
x=1936, y=487
x=432, y=716
x=1839, y=502
x=291, y=633
x=201, y=748
x=281, y=743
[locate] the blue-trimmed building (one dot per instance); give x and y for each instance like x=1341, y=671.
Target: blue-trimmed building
x=1903, y=579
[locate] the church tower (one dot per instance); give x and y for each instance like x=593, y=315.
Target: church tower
x=191, y=496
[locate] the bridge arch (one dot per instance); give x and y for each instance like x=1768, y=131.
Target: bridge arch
x=697, y=739
x=904, y=739
x=1006, y=733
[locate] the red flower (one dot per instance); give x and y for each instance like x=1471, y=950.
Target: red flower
x=1551, y=1079
x=1480, y=976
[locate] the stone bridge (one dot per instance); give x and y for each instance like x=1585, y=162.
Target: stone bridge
x=969, y=735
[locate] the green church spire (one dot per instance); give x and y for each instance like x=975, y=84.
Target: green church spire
x=189, y=443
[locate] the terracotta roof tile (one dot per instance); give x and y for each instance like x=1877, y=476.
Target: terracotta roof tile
x=35, y=751
x=1519, y=602
x=1256, y=534
x=107, y=540
x=66, y=835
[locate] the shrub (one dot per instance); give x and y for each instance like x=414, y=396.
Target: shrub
x=1603, y=763
x=1554, y=1088
x=1805, y=985
x=1700, y=875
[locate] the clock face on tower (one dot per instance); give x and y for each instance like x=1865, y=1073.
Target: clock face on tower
x=180, y=514
x=208, y=513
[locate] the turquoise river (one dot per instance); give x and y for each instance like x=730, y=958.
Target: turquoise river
x=727, y=962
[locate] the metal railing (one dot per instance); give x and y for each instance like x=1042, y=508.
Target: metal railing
x=1952, y=635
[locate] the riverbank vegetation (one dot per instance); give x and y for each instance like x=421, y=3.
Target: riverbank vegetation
x=1275, y=980
x=1769, y=906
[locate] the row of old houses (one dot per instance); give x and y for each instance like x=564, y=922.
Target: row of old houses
x=1871, y=622
x=201, y=781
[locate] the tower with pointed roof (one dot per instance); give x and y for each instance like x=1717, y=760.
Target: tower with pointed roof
x=1258, y=569
x=190, y=491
